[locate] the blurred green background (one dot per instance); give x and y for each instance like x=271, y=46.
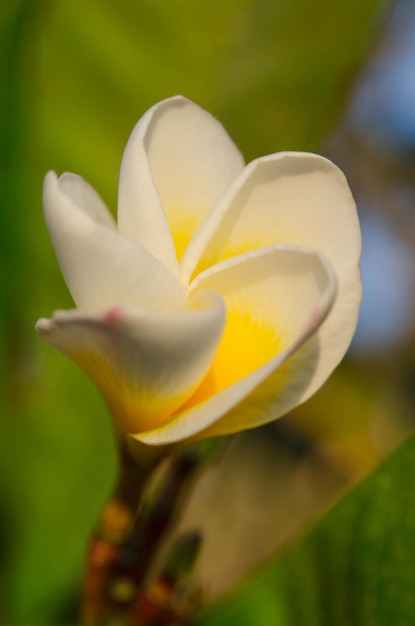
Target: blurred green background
x=327, y=76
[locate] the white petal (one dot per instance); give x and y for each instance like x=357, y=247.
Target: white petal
x=182, y=152
x=140, y=212
x=269, y=355
x=294, y=198
x=86, y=198
x=288, y=197
x=146, y=365
x=100, y=267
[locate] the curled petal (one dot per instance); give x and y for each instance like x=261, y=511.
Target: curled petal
x=299, y=199
x=101, y=267
x=289, y=197
x=179, y=159
x=146, y=365
x=269, y=355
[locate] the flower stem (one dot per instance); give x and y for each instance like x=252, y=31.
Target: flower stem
x=131, y=530
x=114, y=527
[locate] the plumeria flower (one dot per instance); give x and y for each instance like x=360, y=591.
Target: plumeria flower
x=225, y=295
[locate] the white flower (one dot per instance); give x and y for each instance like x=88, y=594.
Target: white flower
x=224, y=297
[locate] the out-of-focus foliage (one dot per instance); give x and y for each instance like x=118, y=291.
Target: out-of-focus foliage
x=74, y=78
x=356, y=567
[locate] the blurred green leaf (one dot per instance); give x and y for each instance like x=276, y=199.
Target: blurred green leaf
x=355, y=568
x=277, y=73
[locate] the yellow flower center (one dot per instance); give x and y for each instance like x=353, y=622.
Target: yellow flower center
x=245, y=346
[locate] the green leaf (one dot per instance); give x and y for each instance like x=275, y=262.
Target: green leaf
x=355, y=568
